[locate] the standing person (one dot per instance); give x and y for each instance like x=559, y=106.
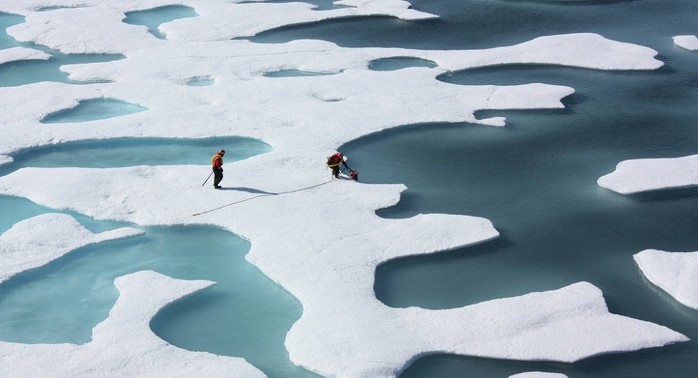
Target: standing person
x=217, y=166
x=334, y=162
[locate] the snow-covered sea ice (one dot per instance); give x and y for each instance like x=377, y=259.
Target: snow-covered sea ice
x=344, y=330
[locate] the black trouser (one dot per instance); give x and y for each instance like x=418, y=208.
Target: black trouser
x=217, y=176
x=335, y=169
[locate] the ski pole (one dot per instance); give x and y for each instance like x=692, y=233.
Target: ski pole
x=209, y=176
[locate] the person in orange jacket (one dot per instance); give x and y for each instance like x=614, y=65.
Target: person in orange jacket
x=217, y=166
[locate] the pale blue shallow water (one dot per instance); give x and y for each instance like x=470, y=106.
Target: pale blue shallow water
x=535, y=179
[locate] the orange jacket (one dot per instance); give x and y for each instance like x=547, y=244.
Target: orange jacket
x=217, y=161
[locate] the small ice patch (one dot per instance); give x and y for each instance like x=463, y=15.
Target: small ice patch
x=689, y=42
x=674, y=272
x=640, y=175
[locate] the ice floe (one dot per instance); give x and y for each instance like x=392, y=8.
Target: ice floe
x=674, y=272
x=37, y=241
x=344, y=329
x=689, y=42
x=639, y=175
x=123, y=344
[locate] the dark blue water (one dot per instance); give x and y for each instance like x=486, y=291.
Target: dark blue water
x=536, y=180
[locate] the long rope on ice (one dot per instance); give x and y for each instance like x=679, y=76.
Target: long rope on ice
x=262, y=195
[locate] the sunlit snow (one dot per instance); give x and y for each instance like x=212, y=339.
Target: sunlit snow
x=632, y=176
x=674, y=272
x=689, y=42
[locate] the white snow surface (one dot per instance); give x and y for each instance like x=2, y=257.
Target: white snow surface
x=674, y=272
x=689, y=42
x=39, y=240
x=640, y=175
x=123, y=345
x=344, y=330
